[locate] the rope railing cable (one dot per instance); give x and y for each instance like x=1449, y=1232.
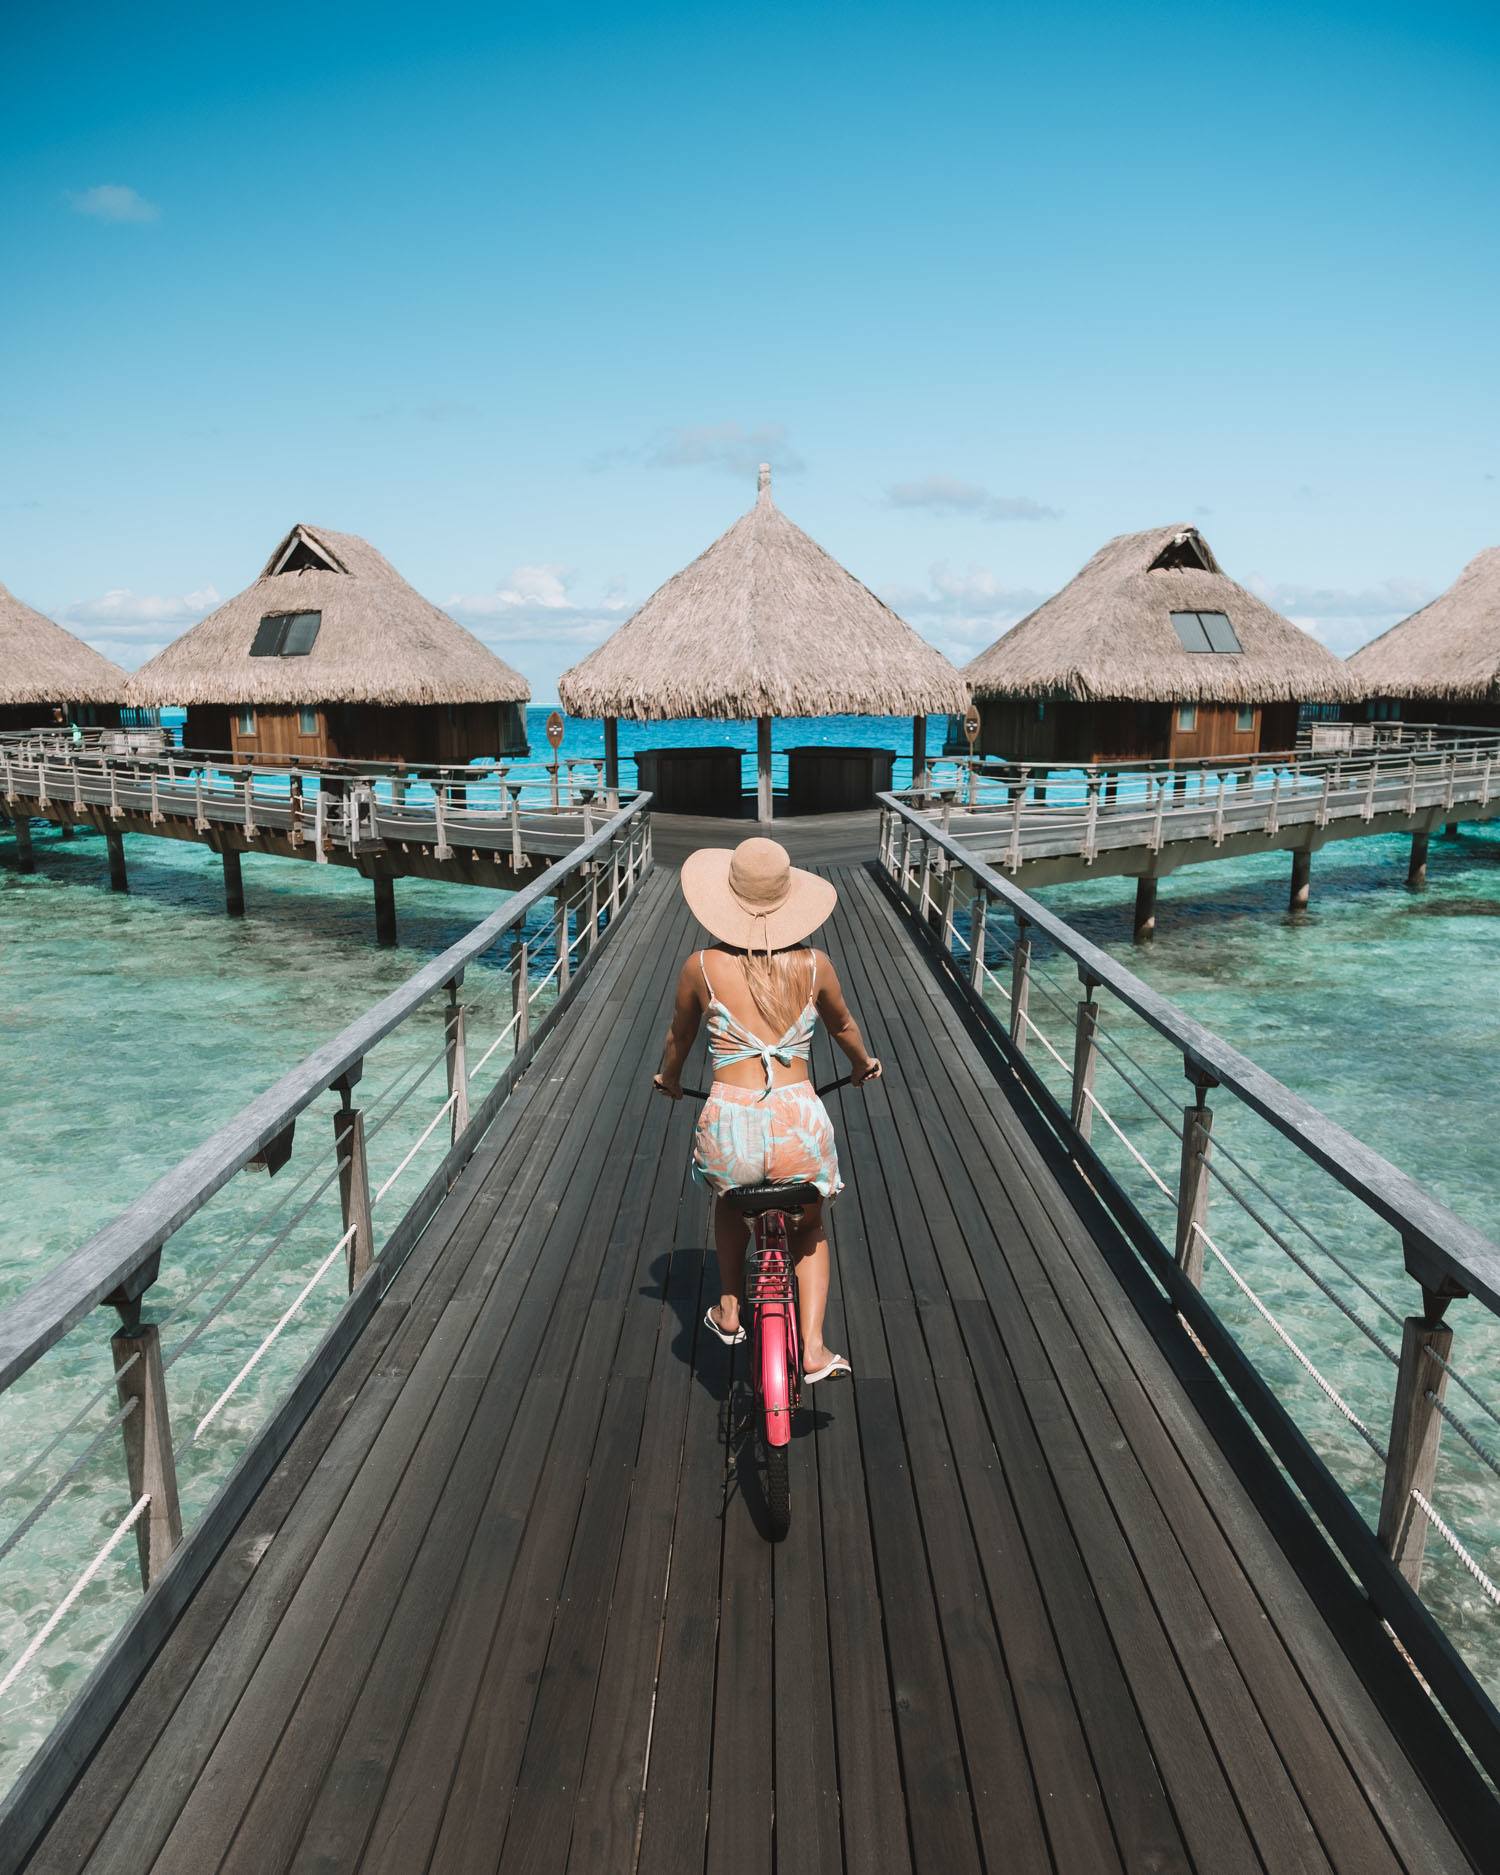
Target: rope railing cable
x=270, y=1340
x=1453, y=1542
x=12, y=1485
x=421, y=1141
x=260, y=1262
x=1325, y=1384
x=1454, y=1375
x=1474, y=1443
x=43, y=1634
x=55, y=1490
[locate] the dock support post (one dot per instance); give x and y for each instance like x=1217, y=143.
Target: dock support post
x=385, y=909
x=1411, y=1463
x=1301, y=879
x=1450, y=829
x=1085, y=1061
x=234, y=884
x=1020, y=985
x=764, y=801
x=354, y=1184
x=115, y=844
x=1192, y=1184
x=456, y=1047
x=1416, y=871
x=69, y=830
x=612, y=760
x=147, y=1431
x=918, y=752
x=25, y=857
x=1145, y=909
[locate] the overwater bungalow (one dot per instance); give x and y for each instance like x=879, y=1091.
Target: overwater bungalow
x=49, y=676
x=1151, y=653
x=331, y=654
x=1441, y=665
x=763, y=624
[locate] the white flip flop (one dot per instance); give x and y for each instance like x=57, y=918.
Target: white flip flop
x=730, y=1341
x=838, y=1365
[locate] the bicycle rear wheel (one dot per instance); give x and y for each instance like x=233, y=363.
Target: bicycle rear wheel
x=778, y=1490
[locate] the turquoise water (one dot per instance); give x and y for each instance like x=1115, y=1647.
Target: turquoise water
x=132, y=1026
x=1381, y=1008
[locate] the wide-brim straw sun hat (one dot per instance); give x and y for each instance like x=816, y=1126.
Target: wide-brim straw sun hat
x=752, y=897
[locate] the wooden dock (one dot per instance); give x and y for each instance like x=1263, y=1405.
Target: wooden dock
x=507, y=1601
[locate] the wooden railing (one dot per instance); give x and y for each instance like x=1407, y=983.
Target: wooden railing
x=543, y=940
x=1065, y=1045
x=1015, y=812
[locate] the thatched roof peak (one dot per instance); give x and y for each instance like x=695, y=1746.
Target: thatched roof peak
x=1108, y=636
x=763, y=623
x=378, y=640
x=42, y=664
x=1449, y=651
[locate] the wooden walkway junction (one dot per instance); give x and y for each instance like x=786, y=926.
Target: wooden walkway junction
x=1144, y=820
x=506, y=1600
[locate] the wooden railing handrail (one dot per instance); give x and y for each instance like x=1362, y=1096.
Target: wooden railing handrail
x=1458, y=1251
x=45, y=1312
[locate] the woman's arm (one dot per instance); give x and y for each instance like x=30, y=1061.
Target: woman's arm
x=682, y=1032
x=841, y=1026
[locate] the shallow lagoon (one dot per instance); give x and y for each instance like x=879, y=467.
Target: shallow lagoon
x=131, y=1026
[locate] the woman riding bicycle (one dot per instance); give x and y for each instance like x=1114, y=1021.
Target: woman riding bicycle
x=762, y=1119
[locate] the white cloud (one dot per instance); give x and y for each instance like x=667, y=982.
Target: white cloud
x=961, y=612
x=113, y=201
x=537, y=605
x=133, y=626
x=729, y=448
x=1343, y=617
x=945, y=495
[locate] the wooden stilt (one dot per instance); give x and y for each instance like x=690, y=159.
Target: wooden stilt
x=385, y=909
x=25, y=857
x=234, y=883
x=764, y=801
x=1301, y=879
x=1416, y=871
x=612, y=759
x=1145, y=909
x=115, y=843
x=919, y=751
x=1450, y=829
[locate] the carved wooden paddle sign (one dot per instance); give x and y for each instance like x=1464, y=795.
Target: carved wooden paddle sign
x=555, y=729
x=971, y=726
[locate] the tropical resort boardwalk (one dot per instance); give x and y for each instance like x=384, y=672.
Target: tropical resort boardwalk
x=505, y=1598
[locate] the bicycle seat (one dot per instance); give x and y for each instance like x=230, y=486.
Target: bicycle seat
x=779, y=1194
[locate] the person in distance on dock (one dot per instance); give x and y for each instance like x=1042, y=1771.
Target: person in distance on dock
x=763, y=1118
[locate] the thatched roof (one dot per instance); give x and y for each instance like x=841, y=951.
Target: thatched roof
x=765, y=623
x=1449, y=651
x=1108, y=636
x=379, y=640
x=41, y=663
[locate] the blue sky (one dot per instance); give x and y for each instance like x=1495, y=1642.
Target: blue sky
x=523, y=293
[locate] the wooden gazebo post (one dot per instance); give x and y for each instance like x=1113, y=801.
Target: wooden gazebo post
x=612, y=758
x=764, y=801
x=918, y=750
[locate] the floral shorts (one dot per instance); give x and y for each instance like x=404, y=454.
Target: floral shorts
x=746, y=1136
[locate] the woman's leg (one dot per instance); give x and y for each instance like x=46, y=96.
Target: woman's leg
x=809, y=1245
x=731, y=1235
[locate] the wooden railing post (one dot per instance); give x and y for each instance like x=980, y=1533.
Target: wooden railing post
x=978, y=928
x=456, y=1049
x=1411, y=1461
x=1020, y=985
x=521, y=997
x=1085, y=1059
x=1192, y=1183
x=354, y=1179
x=149, y=1461
x=561, y=933
x=593, y=903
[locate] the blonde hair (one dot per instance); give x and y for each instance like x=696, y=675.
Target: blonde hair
x=779, y=983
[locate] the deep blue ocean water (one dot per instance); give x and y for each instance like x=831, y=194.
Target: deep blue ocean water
x=131, y=1026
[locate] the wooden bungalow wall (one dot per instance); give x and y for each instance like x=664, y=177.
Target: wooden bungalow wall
x=438, y=732
x=1061, y=730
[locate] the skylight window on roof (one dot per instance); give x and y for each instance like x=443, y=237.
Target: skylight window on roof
x=1205, y=631
x=286, y=635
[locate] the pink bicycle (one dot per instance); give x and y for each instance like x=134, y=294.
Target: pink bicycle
x=773, y=1340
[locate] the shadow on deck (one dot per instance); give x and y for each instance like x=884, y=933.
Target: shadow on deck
x=507, y=1602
